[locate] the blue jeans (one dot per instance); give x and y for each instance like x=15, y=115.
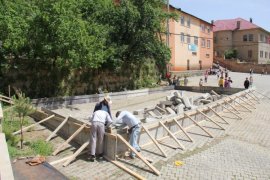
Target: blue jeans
x=133, y=140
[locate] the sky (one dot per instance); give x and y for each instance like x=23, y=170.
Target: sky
x=258, y=10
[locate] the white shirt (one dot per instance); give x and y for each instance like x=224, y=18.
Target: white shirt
x=128, y=119
x=101, y=116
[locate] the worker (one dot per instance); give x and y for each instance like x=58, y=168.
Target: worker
x=133, y=124
x=221, y=82
x=104, y=105
x=99, y=120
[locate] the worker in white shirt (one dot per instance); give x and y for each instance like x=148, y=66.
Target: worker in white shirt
x=99, y=120
x=133, y=124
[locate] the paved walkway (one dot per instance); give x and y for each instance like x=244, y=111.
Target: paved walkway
x=242, y=151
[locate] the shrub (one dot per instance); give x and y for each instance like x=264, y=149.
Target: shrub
x=41, y=147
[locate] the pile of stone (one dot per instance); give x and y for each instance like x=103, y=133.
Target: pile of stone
x=176, y=103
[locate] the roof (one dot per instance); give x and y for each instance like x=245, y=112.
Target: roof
x=179, y=9
x=231, y=25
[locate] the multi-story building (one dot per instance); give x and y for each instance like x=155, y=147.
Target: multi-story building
x=250, y=41
x=191, y=42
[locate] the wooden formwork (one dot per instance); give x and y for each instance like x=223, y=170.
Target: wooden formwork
x=237, y=104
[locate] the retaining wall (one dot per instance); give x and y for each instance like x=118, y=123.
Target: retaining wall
x=6, y=172
x=207, y=89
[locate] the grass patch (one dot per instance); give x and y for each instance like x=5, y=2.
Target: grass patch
x=42, y=147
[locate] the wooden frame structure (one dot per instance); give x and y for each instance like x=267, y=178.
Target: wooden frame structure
x=231, y=104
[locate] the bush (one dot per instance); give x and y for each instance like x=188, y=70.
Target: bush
x=231, y=53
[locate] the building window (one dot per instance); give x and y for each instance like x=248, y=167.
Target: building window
x=215, y=39
x=266, y=55
x=188, y=39
x=188, y=22
x=250, y=37
x=261, y=54
x=208, y=44
x=196, y=40
x=203, y=42
x=207, y=55
x=245, y=37
x=208, y=29
x=202, y=27
x=249, y=53
x=182, y=19
x=261, y=37
x=182, y=37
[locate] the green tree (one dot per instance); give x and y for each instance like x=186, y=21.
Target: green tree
x=23, y=107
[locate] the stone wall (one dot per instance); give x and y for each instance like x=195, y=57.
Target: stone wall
x=235, y=66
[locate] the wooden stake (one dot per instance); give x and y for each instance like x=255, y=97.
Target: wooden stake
x=199, y=125
x=32, y=125
x=253, y=97
x=252, y=92
x=246, y=102
x=118, y=164
x=262, y=94
x=76, y=153
x=69, y=139
x=65, y=158
x=210, y=119
x=241, y=104
x=153, y=139
x=230, y=111
x=218, y=114
x=171, y=134
x=139, y=155
x=231, y=106
x=57, y=129
x=184, y=131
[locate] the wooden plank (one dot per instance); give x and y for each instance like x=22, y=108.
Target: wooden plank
x=261, y=94
x=32, y=125
x=179, y=125
x=231, y=111
x=118, y=164
x=69, y=139
x=76, y=153
x=240, y=104
x=246, y=98
x=199, y=125
x=254, y=95
x=210, y=119
x=218, y=115
x=161, y=109
x=231, y=106
x=139, y=155
x=7, y=101
x=257, y=100
x=57, y=129
x=171, y=134
x=5, y=97
x=65, y=158
x=246, y=102
x=153, y=139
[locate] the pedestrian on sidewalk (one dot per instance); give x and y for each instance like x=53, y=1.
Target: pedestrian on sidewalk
x=185, y=81
x=126, y=118
x=104, y=105
x=246, y=83
x=226, y=83
x=206, y=76
x=262, y=72
x=230, y=82
x=168, y=77
x=250, y=81
x=201, y=82
x=221, y=82
x=99, y=120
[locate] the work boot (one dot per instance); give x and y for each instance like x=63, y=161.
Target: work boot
x=100, y=157
x=91, y=158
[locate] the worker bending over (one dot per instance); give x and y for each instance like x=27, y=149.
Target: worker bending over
x=133, y=124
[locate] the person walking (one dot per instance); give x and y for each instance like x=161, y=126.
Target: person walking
x=250, y=81
x=230, y=82
x=104, y=105
x=201, y=82
x=99, y=120
x=206, y=76
x=185, y=81
x=126, y=118
x=221, y=82
x=226, y=83
x=246, y=83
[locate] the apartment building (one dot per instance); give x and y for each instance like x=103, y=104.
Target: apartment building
x=191, y=42
x=251, y=42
